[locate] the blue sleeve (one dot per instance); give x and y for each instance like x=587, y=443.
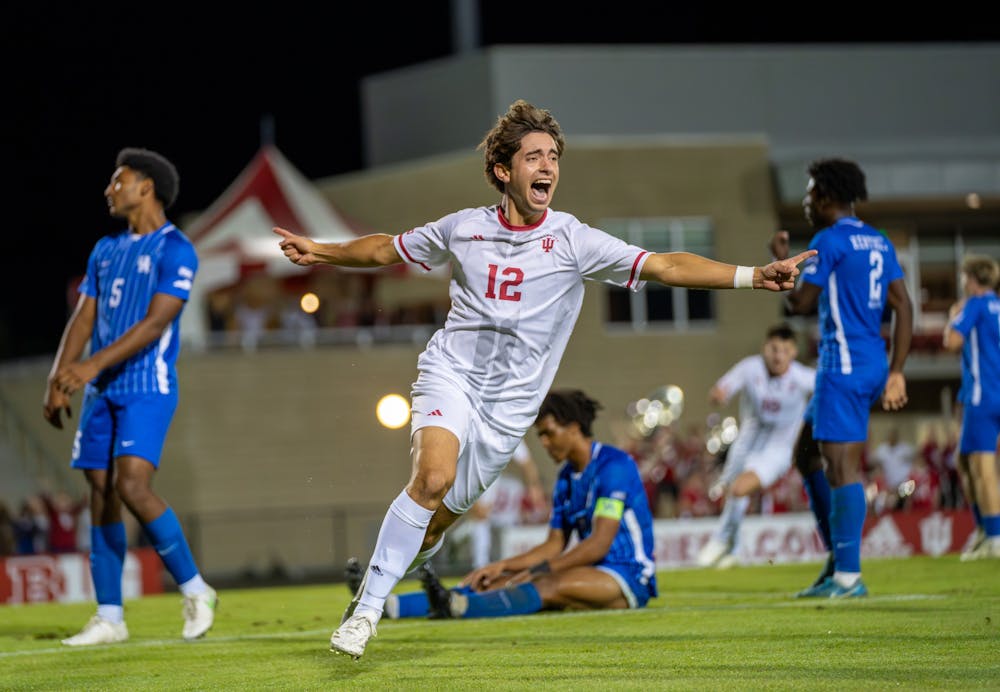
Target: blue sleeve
x=88, y=286
x=966, y=320
x=892, y=269
x=559, y=493
x=616, y=478
x=177, y=269
x=816, y=270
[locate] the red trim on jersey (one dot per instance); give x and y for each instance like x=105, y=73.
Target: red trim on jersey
x=635, y=265
x=406, y=252
x=511, y=227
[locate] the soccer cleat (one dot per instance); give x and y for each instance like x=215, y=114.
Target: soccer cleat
x=354, y=573
x=353, y=634
x=988, y=548
x=977, y=540
x=821, y=590
x=199, y=613
x=713, y=551
x=98, y=631
x=438, y=597
x=857, y=590
x=727, y=561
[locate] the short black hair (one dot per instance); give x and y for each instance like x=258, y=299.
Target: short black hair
x=781, y=331
x=570, y=406
x=157, y=168
x=839, y=180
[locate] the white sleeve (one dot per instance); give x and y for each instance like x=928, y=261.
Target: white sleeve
x=521, y=455
x=735, y=378
x=427, y=246
x=602, y=257
x=806, y=377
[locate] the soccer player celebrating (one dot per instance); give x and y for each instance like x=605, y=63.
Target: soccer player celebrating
x=131, y=298
x=853, y=277
x=518, y=271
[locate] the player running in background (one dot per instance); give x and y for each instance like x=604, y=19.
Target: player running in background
x=518, y=270
x=131, y=298
x=774, y=390
x=853, y=278
x=974, y=329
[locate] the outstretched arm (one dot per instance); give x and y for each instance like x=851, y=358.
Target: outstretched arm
x=375, y=250
x=687, y=270
x=484, y=577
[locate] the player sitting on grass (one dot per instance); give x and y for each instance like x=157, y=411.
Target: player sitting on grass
x=598, y=497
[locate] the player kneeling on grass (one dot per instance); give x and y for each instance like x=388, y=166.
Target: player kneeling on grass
x=599, y=497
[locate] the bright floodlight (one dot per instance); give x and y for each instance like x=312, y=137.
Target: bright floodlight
x=393, y=411
x=309, y=303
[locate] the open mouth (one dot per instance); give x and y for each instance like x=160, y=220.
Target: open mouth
x=540, y=189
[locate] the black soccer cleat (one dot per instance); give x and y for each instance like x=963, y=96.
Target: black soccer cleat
x=827, y=572
x=438, y=597
x=354, y=573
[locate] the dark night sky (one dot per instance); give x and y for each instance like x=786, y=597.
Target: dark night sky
x=194, y=84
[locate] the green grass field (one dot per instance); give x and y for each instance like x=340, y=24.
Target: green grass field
x=929, y=623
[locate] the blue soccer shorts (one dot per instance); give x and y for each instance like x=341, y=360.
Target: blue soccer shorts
x=114, y=425
x=842, y=403
x=636, y=589
x=980, y=428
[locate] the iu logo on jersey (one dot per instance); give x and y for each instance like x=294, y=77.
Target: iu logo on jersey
x=548, y=242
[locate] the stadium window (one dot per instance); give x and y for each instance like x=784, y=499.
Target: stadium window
x=661, y=306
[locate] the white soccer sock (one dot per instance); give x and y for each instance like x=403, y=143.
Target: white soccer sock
x=731, y=518
x=193, y=586
x=425, y=555
x=111, y=613
x=398, y=543
x=846, y=579
x=482, y=537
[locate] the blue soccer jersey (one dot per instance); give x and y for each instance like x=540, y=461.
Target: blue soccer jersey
x=979, y=325
x=854, y=267
x=609, y=486
x=124, y=271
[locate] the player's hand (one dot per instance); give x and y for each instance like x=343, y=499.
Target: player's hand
x=955, y=309
x=780, y=274
x=54, y=404
x=482, y=579
x=894, y=394
x=780, y=245
x=297, y=248
x=72, y=378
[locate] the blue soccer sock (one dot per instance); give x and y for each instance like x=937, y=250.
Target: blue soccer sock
x=818, y=490
x=167, y=537
x=991, y=525
x=846, y=522
x=522, y=599
x=416, y=605
x=108, y=544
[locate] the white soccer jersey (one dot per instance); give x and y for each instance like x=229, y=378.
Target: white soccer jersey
x=771, y=414
x=516, y=292
x=771, y=401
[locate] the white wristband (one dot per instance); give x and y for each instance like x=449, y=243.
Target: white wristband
x=743, y=278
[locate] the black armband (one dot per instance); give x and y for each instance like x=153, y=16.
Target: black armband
x=542, y=567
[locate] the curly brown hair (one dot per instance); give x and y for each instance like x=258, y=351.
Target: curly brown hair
x=504, y=140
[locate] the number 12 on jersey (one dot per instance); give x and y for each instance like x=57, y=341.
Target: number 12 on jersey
x=514, y=277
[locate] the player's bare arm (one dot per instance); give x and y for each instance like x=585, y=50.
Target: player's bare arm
x=484, y=577
x=71, y=347
x=687, y=270
x=163, y=309
x=951, y=339
x=894, y=396
x=374, y=250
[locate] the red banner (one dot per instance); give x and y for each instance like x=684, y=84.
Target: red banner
x=66, y=577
